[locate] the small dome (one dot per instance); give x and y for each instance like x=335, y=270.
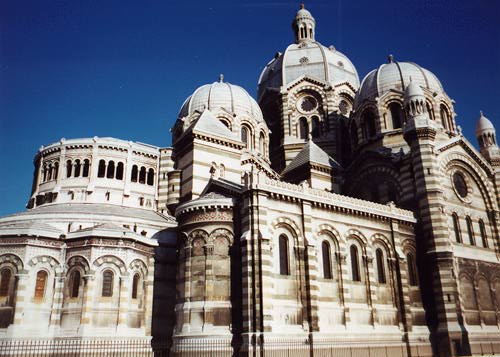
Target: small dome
x=413, y=90
x=308, y=58
x=303, y=14
x=396, y=75
x=221, y=96
x=483, y=124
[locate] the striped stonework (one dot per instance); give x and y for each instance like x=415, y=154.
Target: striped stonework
x=57, y=301
x=148, y=298
x=124, y=298
x=434, y=228
x=22, y=297
x=87, y=306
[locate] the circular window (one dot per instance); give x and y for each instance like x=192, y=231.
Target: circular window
x=308, y=104
x=344, y=107
x=460, y=184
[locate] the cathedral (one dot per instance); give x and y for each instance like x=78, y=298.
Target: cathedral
x=328, y=217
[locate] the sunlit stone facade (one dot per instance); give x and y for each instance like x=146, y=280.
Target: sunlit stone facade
x=329, y=217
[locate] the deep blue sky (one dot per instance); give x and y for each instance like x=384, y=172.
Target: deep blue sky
x=123, y=68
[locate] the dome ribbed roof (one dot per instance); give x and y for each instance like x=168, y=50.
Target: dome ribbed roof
x=308, y=58
x=483, y=124
x=396, y=75
x=221, y=95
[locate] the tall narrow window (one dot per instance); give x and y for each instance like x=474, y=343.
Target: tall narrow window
x=135, y=286
x=41, y=281
x=142, y=175
x=107, y=283
x=119, y=171
x=102, y=169
x=484, y=237
x=111, y=170
x=151, y=177
x=262, y=144
x=75, y=284
x=354, y=134
x=412, y=269
x=56, y=170
x=380, y=266
x=355, y=273
x=315, y=127
x=327, y=260
x=86, y=167
x=470, y=231
x=135, y=173
x=284, y=257
x=444, y=117
x=5, y=276
x=246, y=136
x=78, y=168
x=369, y=129
x=396, y=115
x=456, y=228
x=303, y=128
x=69, y=168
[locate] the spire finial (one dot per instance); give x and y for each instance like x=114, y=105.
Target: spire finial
x=481, y=113
x=390, y=58
x=302, y=5
x=221, y=78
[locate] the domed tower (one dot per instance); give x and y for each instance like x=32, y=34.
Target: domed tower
x=306, y=92
x=220, y=128
x=378, y=119
x=486, y=137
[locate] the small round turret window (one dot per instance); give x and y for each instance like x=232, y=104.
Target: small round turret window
x=460, y=184
x=308, y=104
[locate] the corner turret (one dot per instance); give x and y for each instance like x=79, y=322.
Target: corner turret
x=486, y=137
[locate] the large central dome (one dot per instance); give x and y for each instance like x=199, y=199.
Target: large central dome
x=307, y=57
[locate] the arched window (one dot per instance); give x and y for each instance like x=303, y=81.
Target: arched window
x=75, y=284
x=86, y=168
x=315, y=130
x=354, y=134
x=246, y=136
x=355, y=272
x=470, y=231
x=41, y=281
x=262, y=144
x=456, y=228
x=396, y=115
x=107, y=283
x=135, y=172
x=142, y=175
x=284, y=257
x=56, y=170
x=51, y=172
x=119, y=171
x=226, y=123
x=327, y=260
x=69, y=168
x=111, y=170
x=44, y=173
x=303, y=128
x=484, y=237
x=5, y=276
x=444, y=117
x=102, y=169
x=430, y=110
x=78, y=168
x=135, y=285
x=412, y=269
x=151, y=177
x=368, y=124
x=380, y=266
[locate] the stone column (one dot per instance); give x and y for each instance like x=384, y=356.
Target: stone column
x=123, y=301
x=57, y=301
x=148, y=297
x=94, y=165
x=344, y=292
x=87, y=304
x=22, y=298
x=371, y=293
